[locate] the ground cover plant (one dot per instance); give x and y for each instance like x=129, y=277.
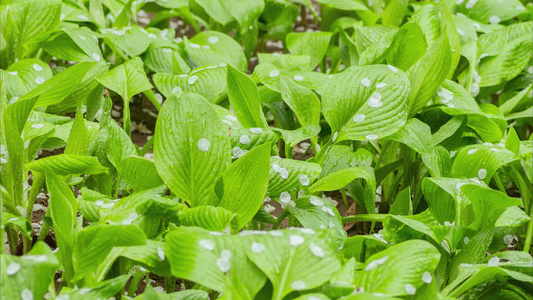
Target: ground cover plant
x=266, y=149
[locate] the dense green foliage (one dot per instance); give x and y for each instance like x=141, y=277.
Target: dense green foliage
x=415, y=116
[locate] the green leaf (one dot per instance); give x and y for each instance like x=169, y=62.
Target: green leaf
x=127, y=79
x=123, y=210
x=209, y=82
x=295, y=260
x=244, y=98
x=357, y=109
x=287, y=175
x=210, y=218
x=128, y=42
x=190, y=153
x=402, y=205
x=139, y=173
x=506, y=65
x=293, y=137
x=93, y=243
x=67, y=164
x=215, y=49
x=430, y=73
x=483, y=10
x=35, y=272
x=193, y=254
x=74, y=45
x=63, y=210
x=78, y=140
x=408, y=47
x=315, y=213
x=21, y=77
x=116, y=143
x=394, y=270
x=303, y=101
x=25, y=226
x=245, y=184
x=394, y=12
x=313, y=44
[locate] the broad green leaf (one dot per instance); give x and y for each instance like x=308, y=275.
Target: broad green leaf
x=506, y=65
x=210, y=218
x=245, y=184
x=315, y=213
x=78, y=140
x=25, y=226
x=148, y=256
x=101, y=290
x=287, y=175
x=128, y=42
x=293, y=137
x=473, y=252
x=215, y=261
x=93, y=243
x=408, y=47
x=67, y=164
x=394, y=12
x=313, y=44
x=34, y=272
x=303, y=101
x=286, y=61
x=74, y=45
x=341, y=157
x=169, y=209
x=209, y=82
x=449, y=28
x=25, y=22
x=402, y=205
x=127, y=79
x=190, y=153
x=392, y=270
x=124, y=210
x=116, y=143
x=211, y=48
x=244, y=98
x=376, y=53
x=429, y=73
x=366, y=103
x=295, y=260
x=139, y=173
x=63, y=209
x=21, y=77
x=480, y=161
x=484, y=10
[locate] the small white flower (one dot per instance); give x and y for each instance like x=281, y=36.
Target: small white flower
x=471, y=4
x=14, y=73
x=298, y=285
x=459, y=2
x=316, y=250
x=37, y=67
x=283, y=173
x=37, y=126
x=508, y=239
x=296, y=240
x=284, y=197
x=275, y=233
x=410, y=289
x=298, y=78
x=269, y=208
x=466, y=240
x=359, y=118
x=520, y=8
x=375, y=100
x=427, y=278
x=82, y=17
x=231, y=118
x=392, y=68
x=460, y=32
x=159, y=98
x=192, y=79
x=334, y=136
x=274, y=73
x=371, y=137
x=213, y=40
x=494, y=261
x=223, y=264
x=366, y=82
x=482, y=173
x=26, y=295
x=244, y=139
x=472, y=151
x=83, y=291
x=256, y=130
x=495, y=20
x=380, y=85
x=13, y=100
x=151, y=35
x=39, y=80
x=203, y=145
x=12, y=268
x=316, y=202
x=304, y=179
x=177, y=90
x=193, y=45
x=257, y=247
x=206, y=244
x=459, y=185
x=376, y=263
x=96, y=57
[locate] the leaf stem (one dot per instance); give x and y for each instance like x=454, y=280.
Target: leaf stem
x=343, y=194
x=529, y=235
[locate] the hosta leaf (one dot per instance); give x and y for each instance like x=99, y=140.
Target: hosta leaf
x=394, y=12
x=100, y=290
x=37, y=269
x=430, y=72
x=286, y=61
x=190, y=153
x=341, y=157
x=67, y=164
x=210, y=218
x=123, y=210
x=295, y=260
x=78, y=140
x=244, y=98
x=506, y=65
x=391, y=270
x=315, y=213
x=209, y=82
x=21, y=77
x=357, y=109
x=480, y=161
x=408, y=47
x=139, y=173
x=127, y=79
x=148, y=256
x=169, y=209
x=303, y=101
x=117, y=145
x=293, y=137
x=20, y=222
x=128, y=42
x=245, y=184
x=246, y=139
x=297, y=174
x=270, y=76
x=93, y=243
x=74, y=45
x=484, y=10
x=193, y=254
x=313, y=44
x=215, y=49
